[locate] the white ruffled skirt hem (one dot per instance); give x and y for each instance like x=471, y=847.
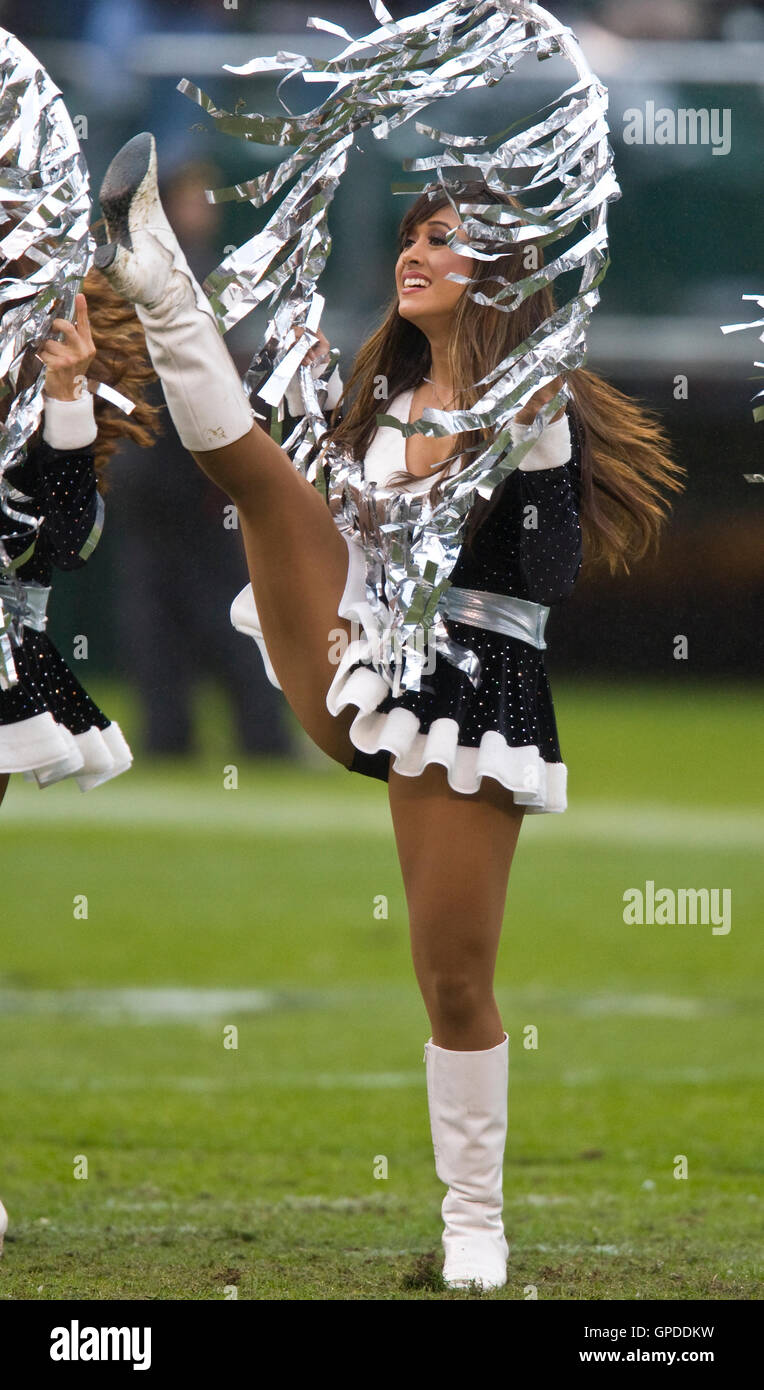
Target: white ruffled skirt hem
x=535, y=784
x=47, y=752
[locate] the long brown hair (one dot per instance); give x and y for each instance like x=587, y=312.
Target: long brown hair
x=121, y=361
x=625, y=452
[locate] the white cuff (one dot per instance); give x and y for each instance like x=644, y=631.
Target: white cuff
x=312, y=473
x=334, y=389
x=69, y=424
x=294, y=399
x=552, y=449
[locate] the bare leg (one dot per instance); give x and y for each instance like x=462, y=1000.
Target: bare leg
x=455, y=853
x=297, y=563
x=297, y=559
x=4, y=779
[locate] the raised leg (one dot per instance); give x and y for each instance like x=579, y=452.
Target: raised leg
x=4, y=779
x=297, y=563
x=297, y=559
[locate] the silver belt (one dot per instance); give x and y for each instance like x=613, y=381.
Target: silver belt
x=23, y=604
x=514, y=617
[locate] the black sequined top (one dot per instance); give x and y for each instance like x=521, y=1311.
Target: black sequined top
x=530, y=546
x=62, y=488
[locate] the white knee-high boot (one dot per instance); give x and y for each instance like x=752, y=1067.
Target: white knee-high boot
x=145, y=264
x=467, y=1097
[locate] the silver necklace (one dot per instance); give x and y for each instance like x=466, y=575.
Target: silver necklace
x=437, y=392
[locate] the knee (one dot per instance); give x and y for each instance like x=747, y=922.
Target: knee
x=456, y=998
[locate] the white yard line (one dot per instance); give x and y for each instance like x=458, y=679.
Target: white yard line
x=161, y=1004
x=244, y=813
x=187, y=1004
x=372, y=1081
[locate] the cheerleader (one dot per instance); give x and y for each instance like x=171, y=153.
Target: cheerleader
x=463, y=765
x=50, y=728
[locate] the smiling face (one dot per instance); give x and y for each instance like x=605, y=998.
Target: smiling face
x=426, y=256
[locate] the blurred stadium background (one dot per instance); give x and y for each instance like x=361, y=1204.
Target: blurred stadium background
x=204, y=1181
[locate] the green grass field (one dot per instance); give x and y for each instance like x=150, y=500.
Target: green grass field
x=215, y=1171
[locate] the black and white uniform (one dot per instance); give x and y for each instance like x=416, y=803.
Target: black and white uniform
x=49, y=726
x=506, y=728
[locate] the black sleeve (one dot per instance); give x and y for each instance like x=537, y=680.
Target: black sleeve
x=547, y=543
x=62, y=487
x=550, y=533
